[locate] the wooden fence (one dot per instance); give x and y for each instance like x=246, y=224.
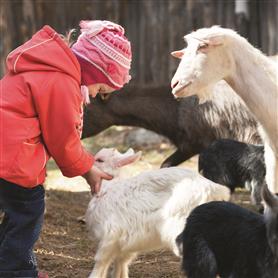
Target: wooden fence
x=155, y=27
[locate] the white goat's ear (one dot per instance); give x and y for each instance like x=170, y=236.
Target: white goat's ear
x=270, y=199
x=178, y=54
x=128, y=159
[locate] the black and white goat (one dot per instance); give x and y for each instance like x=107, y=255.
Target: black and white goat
x=221, y=238
x=235, y=164
x=191, y=126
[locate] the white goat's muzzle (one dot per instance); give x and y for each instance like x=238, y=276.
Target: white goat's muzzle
x=180, y=90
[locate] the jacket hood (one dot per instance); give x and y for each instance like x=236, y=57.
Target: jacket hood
x=45, y=51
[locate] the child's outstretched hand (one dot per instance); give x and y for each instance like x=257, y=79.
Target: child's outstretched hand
x=94, y=177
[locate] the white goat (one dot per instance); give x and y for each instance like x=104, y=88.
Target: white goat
x=144, y=212
x=217, y=53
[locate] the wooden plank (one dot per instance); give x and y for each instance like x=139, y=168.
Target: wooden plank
x=154, y=27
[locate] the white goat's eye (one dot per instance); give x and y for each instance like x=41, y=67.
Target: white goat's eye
x=202, y=46
x=99, y=160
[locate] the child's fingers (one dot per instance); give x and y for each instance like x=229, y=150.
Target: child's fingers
x=106, y=176
x=96, y=188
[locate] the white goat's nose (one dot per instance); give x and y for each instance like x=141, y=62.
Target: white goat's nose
x=174, y=83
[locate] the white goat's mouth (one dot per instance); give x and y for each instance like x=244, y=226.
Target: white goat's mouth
x=180, y=91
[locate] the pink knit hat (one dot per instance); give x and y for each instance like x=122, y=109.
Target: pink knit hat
x=104, y=53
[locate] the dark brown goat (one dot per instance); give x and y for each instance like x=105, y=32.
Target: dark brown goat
x=189, y=125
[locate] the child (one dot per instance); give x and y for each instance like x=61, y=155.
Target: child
x=41, y=108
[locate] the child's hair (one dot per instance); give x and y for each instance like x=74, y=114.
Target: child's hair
x=71, y=36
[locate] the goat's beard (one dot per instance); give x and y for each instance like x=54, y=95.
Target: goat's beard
x=205, y=94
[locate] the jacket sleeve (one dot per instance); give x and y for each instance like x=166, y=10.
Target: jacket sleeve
x=60, y=111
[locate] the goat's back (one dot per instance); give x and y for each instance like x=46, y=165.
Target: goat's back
x=144, y=205
x=232, y=163
x=234, y=237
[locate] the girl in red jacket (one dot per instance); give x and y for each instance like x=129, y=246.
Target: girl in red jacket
x=41, y=108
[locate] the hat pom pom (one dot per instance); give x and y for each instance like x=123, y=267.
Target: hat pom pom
x=93, y=27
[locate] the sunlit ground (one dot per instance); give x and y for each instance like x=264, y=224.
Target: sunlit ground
x=152, y=157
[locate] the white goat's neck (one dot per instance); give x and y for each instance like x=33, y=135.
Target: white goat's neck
x=255, y=80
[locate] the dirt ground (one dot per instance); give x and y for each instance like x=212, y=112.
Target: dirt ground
x=64, y=249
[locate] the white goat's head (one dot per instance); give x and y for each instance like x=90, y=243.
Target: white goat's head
x=109, y=160
x=204, y=62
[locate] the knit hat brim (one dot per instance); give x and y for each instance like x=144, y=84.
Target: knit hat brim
x=90, y=74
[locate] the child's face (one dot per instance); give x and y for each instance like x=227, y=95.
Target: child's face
x=101, y=88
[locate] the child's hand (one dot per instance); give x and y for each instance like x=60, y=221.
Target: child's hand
x=94, y=177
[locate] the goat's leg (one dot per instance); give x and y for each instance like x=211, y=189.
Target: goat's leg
x=271, y=161
x=103, y=258
x=256, y=188
x=176, y=158
x=121, y=265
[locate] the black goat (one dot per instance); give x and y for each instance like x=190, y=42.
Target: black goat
x=190, y=126
x=221, y=238
x=235, y=164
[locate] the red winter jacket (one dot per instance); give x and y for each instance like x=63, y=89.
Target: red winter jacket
x=41, y=111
